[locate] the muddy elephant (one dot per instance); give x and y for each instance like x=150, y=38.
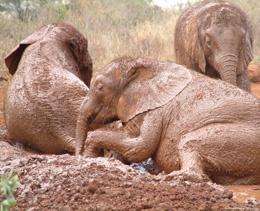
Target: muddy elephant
x=51, y=72
x=187, y=130
x=215, y=38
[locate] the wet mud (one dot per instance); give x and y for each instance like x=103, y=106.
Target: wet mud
x=245, y=192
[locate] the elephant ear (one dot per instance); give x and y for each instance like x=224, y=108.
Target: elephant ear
x=150, y=87
x=246, y=54
x=193, y=45
x=12, y=59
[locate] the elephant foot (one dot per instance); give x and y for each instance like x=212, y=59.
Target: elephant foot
x=115, y=155
x=93, y=152
x=187, y=176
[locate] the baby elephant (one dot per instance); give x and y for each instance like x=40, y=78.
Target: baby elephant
x=51, y=72
x=188, y=123
x=215, y=37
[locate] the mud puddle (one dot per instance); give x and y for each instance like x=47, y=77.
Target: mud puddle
x=243, y=192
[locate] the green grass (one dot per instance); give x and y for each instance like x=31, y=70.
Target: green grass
x=8, y=185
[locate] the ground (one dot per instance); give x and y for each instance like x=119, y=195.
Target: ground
x=66, y=182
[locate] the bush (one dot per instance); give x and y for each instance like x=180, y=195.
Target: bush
x=8, y=184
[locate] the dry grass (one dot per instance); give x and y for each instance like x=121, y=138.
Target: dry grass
x=117, y=28
x=114, y=28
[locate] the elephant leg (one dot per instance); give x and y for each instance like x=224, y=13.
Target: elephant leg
x=135, y=149
x=67, y=142
x=221, y=150
x=243, y=82
x=190, y=160
x=61, y=137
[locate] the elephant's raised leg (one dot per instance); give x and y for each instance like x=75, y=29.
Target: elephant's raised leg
x=135, y=148
x=135, y=141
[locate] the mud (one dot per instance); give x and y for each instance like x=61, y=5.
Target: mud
x=64, y=182
x=245, y=192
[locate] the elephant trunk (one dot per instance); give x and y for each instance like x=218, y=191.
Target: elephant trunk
x=227, y=68
x=85, y=118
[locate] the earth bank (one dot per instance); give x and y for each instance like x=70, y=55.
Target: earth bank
x=65, y=182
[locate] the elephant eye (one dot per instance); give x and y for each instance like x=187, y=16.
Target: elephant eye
x=99, y=87
x=208, y=42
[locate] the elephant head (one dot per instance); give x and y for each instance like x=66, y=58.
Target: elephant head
x=67, y=38
x=215, y=38
x=126, y=88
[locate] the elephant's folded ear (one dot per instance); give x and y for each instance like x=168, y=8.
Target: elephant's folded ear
x=12, y=59
x=153, y=87
x=246, y=55
x=192, y=44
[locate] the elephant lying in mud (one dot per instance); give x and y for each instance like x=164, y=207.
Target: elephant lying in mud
x=215, y=37
x=51, y=72
x=188, y=123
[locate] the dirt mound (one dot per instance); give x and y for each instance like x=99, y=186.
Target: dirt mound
x=65, y=182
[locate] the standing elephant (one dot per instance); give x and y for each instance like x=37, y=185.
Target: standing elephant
x=215, y=38
x=187, y=130
x=51, y=72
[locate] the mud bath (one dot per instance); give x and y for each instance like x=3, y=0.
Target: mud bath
x=64, y=182
x=246, y=192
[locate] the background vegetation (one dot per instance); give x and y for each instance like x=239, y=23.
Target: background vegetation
x=7, y=185
x=113, y=27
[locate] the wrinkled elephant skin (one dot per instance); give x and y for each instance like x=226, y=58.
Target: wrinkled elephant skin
x=51, y=72
x=180, y=120
x=215, y=37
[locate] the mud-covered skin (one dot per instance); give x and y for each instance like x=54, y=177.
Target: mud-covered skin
x=215, y=37
x=47, y=88
x=195, y=132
